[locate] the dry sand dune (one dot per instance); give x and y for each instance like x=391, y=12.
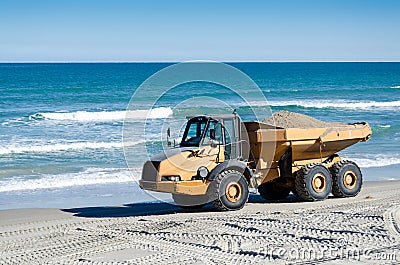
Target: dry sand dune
x=359, y=230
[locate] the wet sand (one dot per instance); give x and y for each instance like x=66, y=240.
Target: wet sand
x=360, y=230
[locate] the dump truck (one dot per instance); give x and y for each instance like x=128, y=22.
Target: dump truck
x=221, y=159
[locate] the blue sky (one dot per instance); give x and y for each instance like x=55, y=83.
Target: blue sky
x=149, y=30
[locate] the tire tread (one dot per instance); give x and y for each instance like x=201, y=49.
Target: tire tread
x=216, y=202
x=335, y=169
x=302, y=190
x=300, y=183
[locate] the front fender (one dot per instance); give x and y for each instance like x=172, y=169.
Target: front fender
x=236, y=165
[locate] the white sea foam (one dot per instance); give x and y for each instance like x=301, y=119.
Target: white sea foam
x=395, y=87
x=332, y=104
x=90, y=176
x=85, y=116
x=377, y=161
x=18, y=149
x=7, y=122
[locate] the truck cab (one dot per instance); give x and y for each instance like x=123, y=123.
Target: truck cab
x=210, y=144
x=214, y=130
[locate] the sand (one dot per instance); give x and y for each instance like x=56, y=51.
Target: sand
x=360, y=230
x=286, y=119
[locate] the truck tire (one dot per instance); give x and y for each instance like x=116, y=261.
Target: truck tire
x=313, y=182
x=190, y=201
x=229, y=190
x=270, y=191
x=347, y=179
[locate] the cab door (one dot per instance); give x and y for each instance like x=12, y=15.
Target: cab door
x=231, y=145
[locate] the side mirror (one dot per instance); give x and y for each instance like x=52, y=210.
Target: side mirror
x=168, y=136
x=212, y=134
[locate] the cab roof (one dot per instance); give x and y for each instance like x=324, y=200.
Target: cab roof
x=213, y=116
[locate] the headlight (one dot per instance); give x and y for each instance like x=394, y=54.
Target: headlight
x=173, y=178
x=202, y=172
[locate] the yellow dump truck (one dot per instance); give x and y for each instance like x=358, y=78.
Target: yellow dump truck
x=220, y=157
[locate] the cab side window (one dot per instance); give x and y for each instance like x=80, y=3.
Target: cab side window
x=230, y=145
x=213, y=133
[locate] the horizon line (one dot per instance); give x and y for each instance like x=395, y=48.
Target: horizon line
x=230, y=61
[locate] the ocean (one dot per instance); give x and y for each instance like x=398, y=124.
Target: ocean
x=61, y=123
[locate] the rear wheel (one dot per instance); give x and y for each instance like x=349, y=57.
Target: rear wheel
x=271, y=191
x=190, y=201
x=229, y=190
x=313, y=182
x=347, y=179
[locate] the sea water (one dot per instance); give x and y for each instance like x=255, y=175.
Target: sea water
x=61, y=124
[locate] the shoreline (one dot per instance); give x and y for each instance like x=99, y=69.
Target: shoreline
x=120, y=193
x=158, y=232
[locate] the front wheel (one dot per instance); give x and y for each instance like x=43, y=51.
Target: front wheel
x=229, y=191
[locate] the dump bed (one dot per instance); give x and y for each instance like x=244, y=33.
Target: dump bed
x=270, y=142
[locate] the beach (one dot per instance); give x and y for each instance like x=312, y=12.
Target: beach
x=68, y=195
x=61, y=125
x=360, y=230
x=274, y=125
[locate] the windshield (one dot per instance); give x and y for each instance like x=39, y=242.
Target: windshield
x=194, y=132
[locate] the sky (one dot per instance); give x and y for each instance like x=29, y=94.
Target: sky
x=173, y=31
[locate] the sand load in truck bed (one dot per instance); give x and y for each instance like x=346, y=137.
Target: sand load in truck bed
x=287, y=119
x=308, y=138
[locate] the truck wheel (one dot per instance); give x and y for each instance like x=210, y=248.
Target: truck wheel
x=347, y=179
x=190, y=201
x=313, y=182
x=229, y=190
x=270, y=191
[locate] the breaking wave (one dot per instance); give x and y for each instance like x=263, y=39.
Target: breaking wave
x=86, y=116
x=377, y=161
x=332, y=104
x=63, y=147
x=90, y=176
